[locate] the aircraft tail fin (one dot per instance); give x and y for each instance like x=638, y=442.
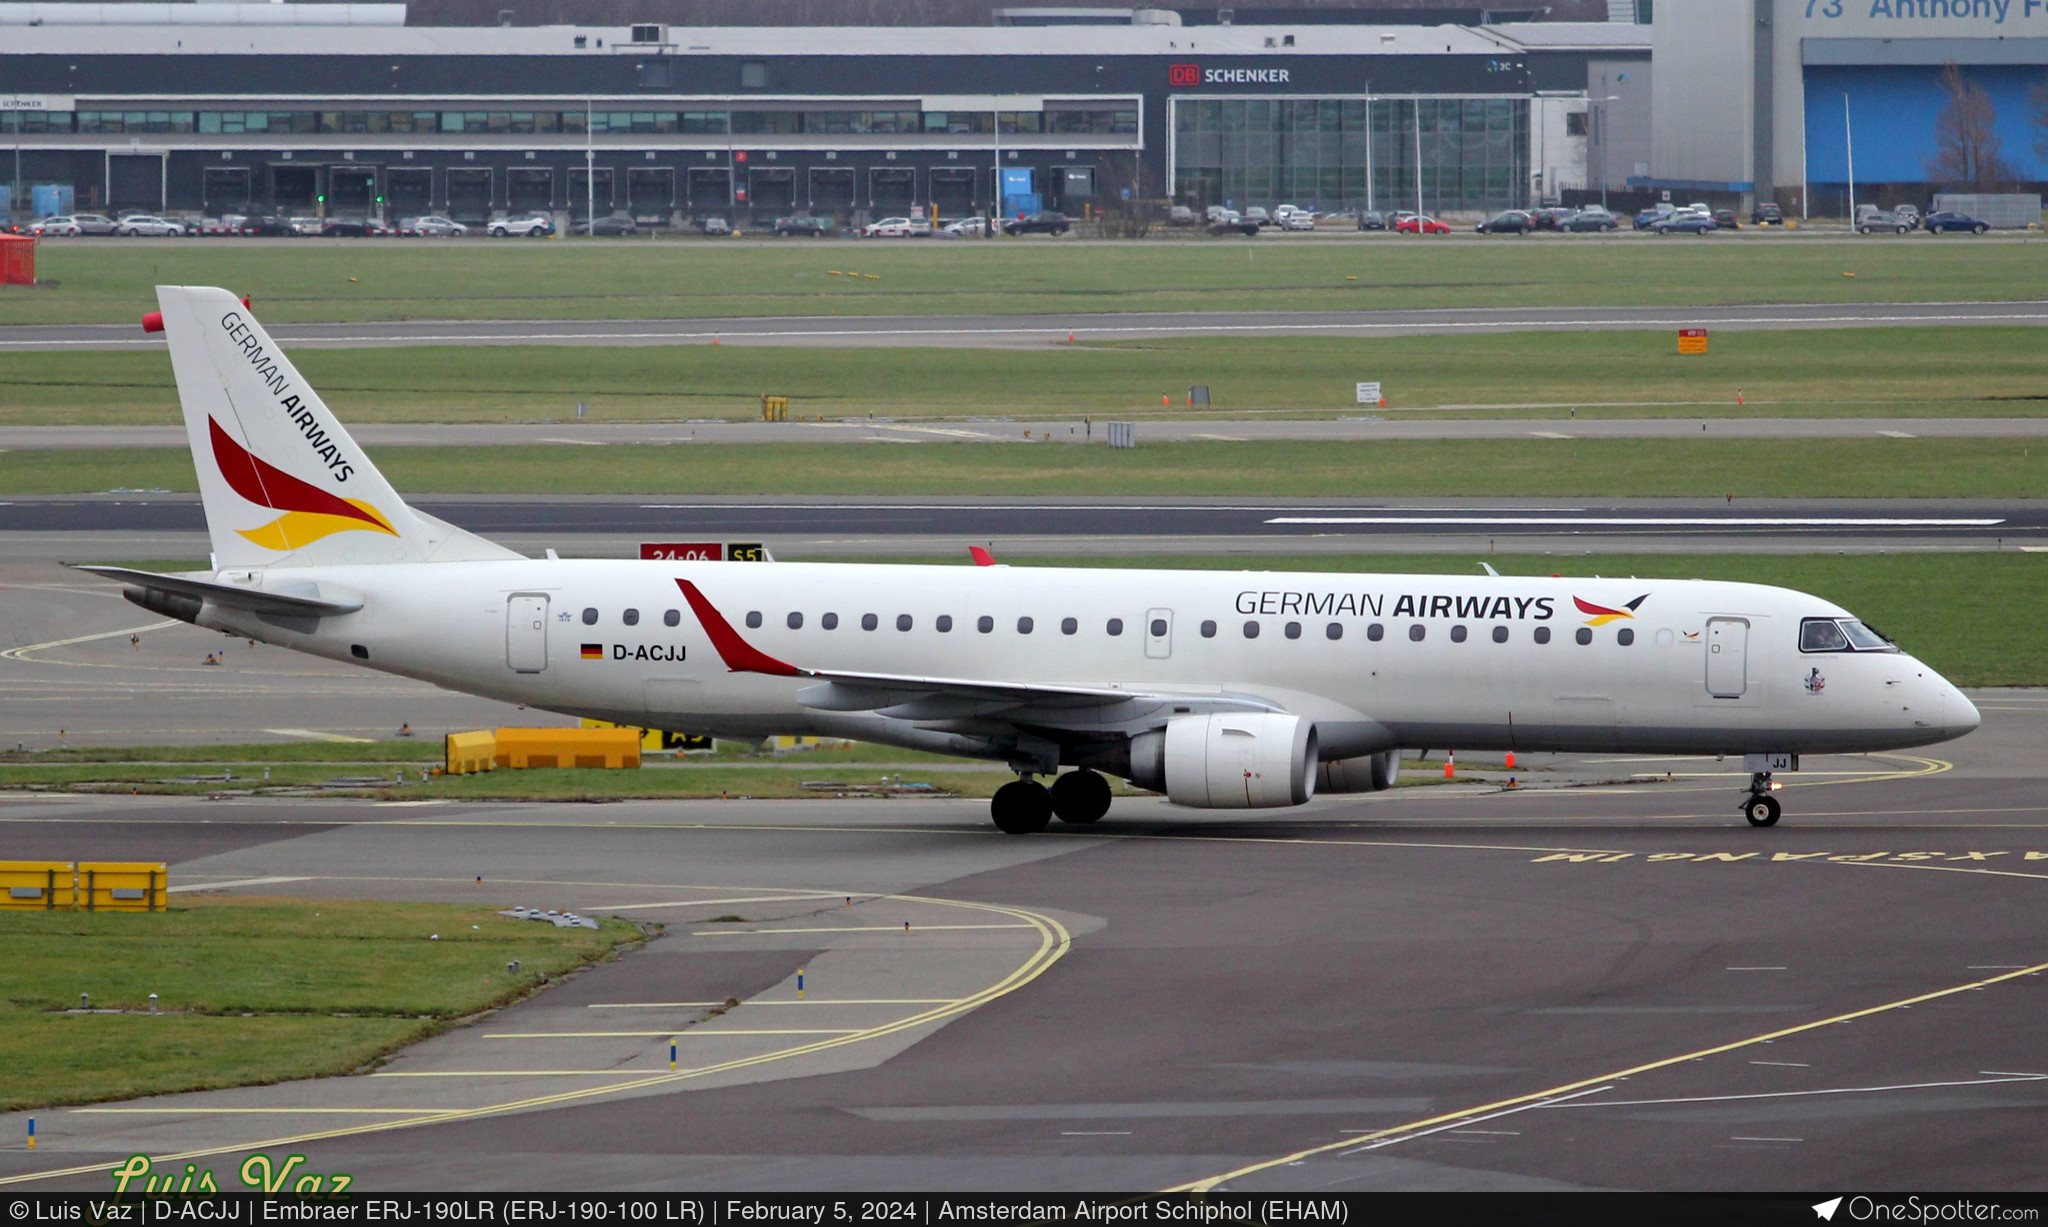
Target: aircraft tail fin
x=281, y=480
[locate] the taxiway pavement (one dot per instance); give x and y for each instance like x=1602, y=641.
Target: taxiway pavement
x=1436, y=988
x=1038, y=330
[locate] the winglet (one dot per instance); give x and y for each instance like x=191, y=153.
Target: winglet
x=981, y=557
x=739, y=655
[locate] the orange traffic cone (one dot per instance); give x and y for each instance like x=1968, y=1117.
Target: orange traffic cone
x=1738, y=397
x=1511, y=760
x=1450, y=764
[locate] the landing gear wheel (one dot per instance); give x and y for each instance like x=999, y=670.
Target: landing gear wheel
x=1080, y=796
x=1761, y=810
x=1021, y=807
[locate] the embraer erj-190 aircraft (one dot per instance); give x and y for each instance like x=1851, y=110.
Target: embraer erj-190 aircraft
x=1223, y=690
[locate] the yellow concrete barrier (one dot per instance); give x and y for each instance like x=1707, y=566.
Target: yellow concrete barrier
x=521, y=748
x=40, y=886
x=471, y=752
x=122, y=886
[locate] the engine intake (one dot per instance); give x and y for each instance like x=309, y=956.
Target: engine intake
x=1257, y=760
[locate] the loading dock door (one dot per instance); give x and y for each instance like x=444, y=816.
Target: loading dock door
x=469, y=194
x=831, y=188
x=953, y=191
x=1727, y=657
x=772, y=190
x=892, y=189
x=526, y=633
x=530, y=189
x=135, y=182
x=710, y=188
x=580, y=193
x=351, y=191
x=651, y=193
x=409, y=190
x=292, y=188
x=226, y=190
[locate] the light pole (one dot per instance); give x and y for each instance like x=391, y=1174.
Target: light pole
x=589, y=171
x=1418, y=160
x=1600, y=139
x=1368, y=150
x=1849, y=139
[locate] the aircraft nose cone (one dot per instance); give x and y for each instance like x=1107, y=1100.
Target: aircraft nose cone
x=1958, y=714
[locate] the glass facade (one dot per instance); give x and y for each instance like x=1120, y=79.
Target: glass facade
x=1058, y=121
x=1322, y=153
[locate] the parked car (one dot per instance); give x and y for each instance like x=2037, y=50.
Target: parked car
x=1372, y=219
x=148, y=225
x=1420, y=223
x=1687, y=221
x=1936, y=223
x=523, y=225
x=353, y=228
x=714, y=225
x=1514, y=221
x=1766, y=213
x=964, y=228
x=1282, y=212
x=1725, y=219
x=432, y=226
x=1298, y=221
x=1181, y=215
x=1646, y=218
x=806, y=227
x=1909, y=214
x=72, y=225
x=1257, y=214
x=1592, y=219
x=894, y=228
x=306, y=225
x=1047, y=222
x=1229, y=221
x=1552, y=217
x=614, y=224
x=267, y=225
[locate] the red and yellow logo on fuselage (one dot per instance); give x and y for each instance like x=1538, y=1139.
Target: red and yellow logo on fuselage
x=310, y=513
x=1601, y=615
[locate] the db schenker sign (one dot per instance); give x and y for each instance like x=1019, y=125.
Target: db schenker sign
x=1195, y=74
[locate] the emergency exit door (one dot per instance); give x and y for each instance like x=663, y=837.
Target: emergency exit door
x=1158, y=633
x=526, y=633
x=1727, y=657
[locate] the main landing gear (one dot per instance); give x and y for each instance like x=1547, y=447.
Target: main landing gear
x=1760, y=807
x=1025, y=805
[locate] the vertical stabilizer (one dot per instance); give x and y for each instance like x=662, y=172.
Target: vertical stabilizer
x=282, y=482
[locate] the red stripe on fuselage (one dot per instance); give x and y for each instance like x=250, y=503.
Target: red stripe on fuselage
x=739, y=655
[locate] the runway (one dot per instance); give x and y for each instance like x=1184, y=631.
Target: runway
x=146, y=525
x=1433, y=989
x=1365, y=426
x=1039, y=330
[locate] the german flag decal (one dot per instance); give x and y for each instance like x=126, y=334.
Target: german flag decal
x=593, y=651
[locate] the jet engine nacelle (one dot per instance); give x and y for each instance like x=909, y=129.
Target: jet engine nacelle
x=1366, y=773
x=1255, y=760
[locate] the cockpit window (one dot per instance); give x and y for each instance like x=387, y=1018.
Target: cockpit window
x=1840, y=635
x=1822, y=635
x=1866, y=639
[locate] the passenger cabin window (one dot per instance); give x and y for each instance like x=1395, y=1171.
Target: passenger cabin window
x=1457, y=634
x=590, y=617
x=1624, y=636
x=1500, y=634
x=945, y=623
x=1068, y=626
x=1543, y=634
x=1416, y=632
x=1375, y=632
x=672, y=617
x=1292, y=630
x=869, y=622
x=1115, y=627
x=984, y=624
x=1251, y=630
x=829, y=621
x=753, y=618
x=1024, y=626
x=630, y=617
x=1584, y=636
x=903, y=622
x=1208, y=630
x=795, y=621
x=1334, y=630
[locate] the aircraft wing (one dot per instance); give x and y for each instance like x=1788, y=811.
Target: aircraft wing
x=254, y=600
x=912, y=697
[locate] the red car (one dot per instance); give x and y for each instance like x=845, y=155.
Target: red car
x=1420, y=224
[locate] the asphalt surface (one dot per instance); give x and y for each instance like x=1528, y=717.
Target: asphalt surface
x=143, y=525
x=1450, y=988
x=1366, y=426
x=1034, y=330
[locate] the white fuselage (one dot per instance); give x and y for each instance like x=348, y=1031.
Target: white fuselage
x=1710, y=667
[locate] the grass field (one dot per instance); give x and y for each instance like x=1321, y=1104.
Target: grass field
x=395, y=281
x=1562, y=468
x=253, y=990
x=1992, y=372
x=678, y=783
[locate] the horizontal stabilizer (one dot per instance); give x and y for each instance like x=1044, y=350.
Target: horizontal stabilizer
x=254, y=600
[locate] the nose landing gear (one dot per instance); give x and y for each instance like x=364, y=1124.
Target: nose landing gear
x=1760, y=807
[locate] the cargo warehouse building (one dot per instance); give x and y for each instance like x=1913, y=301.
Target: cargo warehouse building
x=342, y=109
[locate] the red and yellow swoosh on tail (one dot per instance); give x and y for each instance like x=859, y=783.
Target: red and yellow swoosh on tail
x=310, y=513
x=1601, y=615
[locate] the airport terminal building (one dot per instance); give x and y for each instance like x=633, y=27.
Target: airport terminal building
x=343, y=109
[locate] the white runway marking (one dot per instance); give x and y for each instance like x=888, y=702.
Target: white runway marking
x=1656, y=521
